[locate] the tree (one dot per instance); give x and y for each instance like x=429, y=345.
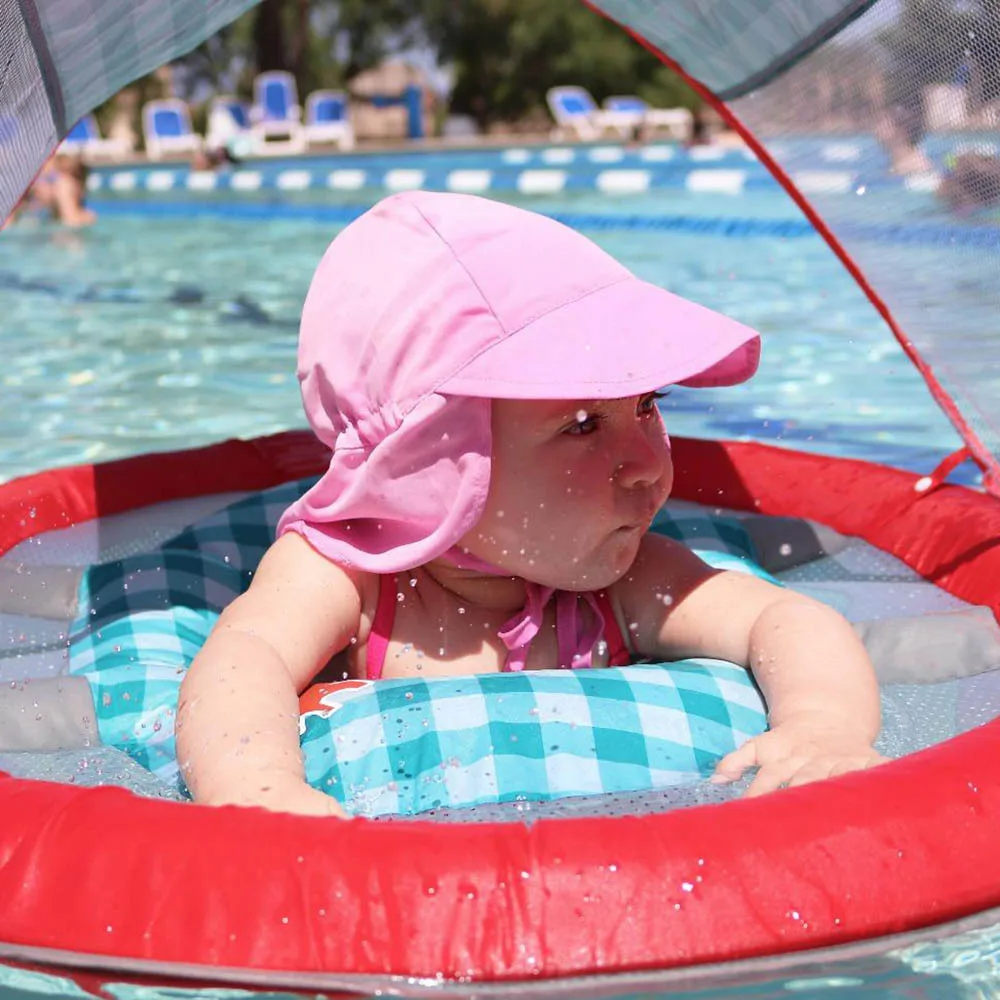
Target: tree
x=927, y=44
x=507, y=53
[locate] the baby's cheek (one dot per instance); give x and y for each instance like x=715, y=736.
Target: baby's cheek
x=668, y=479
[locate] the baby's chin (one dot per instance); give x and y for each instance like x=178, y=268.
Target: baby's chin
x=602, y=570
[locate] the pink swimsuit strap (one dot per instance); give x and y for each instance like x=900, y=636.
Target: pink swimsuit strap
x=385, y=617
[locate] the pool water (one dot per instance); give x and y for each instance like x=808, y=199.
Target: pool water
x=159, y=330
x=150, y=333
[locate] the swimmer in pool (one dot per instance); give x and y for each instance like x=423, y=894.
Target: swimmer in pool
x=60, y=191
x=487, y=382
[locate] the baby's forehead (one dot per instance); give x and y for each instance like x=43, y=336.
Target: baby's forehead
x=541, y=408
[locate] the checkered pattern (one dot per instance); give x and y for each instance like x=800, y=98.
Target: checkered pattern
x=142, y=619
x=204, y=567
x=135, y=666
x=406, y=746
x=705, y=532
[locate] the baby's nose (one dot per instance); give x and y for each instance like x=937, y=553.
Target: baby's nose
x=643, y=462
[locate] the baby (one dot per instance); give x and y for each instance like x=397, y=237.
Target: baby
x=487, y=379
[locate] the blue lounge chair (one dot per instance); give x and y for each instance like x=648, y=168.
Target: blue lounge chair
x=576, y=113
x=84, y=139
x=166, y=128
x=228, y=122
x=276, y=117
x=626, y=113
x=328, y=119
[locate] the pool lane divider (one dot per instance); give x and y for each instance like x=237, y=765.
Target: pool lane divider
x=725, y=176
x=916, y=234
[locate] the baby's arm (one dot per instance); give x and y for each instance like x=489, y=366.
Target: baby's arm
x=238, y=718
x=820, y=687
x=69, y=205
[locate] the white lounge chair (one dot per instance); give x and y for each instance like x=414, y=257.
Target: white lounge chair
x=84, y=139
x=276, y=116
x=577, y=114
x=166, y=128
x=626, y=113
x=228, y=123
x=328, y=119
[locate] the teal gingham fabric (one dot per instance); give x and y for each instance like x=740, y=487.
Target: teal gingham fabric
x=135, y=665
x=142, y=619
x=402, y=747
x=705, y=532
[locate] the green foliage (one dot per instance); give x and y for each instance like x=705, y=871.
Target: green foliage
x=927, y=44
x=932, y=40
x=323, y=43
x=507, y=53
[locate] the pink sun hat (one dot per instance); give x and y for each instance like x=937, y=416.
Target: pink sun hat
x=428, y=306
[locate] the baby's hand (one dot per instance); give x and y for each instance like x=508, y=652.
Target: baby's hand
x=797, y=752
x=298, y=798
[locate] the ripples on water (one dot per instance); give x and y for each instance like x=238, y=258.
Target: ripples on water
x=146, y=334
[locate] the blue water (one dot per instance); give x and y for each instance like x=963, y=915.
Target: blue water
x=157, y=332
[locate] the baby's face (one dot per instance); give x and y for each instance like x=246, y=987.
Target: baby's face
x=573, y=488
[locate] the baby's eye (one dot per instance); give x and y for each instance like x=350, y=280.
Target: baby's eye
x=648, y=403
x=583, y=424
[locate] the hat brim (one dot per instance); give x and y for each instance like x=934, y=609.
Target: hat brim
x=622, y=340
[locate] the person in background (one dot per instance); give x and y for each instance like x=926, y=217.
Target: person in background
x=213, y=159
x=899, y=131
x=69, y=192
x=972, y=183
x=699, y=134
x=60, y=191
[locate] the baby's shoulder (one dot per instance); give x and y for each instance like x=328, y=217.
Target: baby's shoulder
x=662, y=569
x=293, y=570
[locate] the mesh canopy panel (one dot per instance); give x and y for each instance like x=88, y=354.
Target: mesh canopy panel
x=27, y=125
x=916, y=214
x=731, y=45
x=61, y=58
x=884, y=116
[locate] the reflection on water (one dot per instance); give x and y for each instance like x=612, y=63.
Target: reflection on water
x=113, y=351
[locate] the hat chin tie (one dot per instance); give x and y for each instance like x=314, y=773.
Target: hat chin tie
x=576, y=634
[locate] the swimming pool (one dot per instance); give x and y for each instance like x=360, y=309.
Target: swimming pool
x=166, y=329
x=175, y=326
